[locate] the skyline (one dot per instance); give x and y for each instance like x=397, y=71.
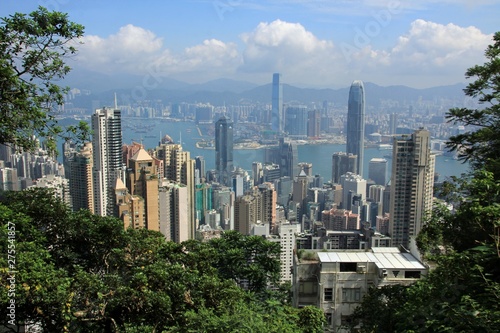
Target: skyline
x=312, y=43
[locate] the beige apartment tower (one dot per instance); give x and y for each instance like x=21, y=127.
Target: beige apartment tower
x=412, y=183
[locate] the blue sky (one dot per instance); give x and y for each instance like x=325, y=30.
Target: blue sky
x=313, y=43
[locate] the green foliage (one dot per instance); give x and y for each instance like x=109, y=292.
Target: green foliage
x=462, y=293
x=480, y=145
x=79, y=272
x=32, y=52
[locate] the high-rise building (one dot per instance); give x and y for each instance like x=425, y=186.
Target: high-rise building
x=286, y=156
x=175, y=211
x=107, y=158
x=377, y=171
x=199, y=169
x=224, y=150
x=352, y=185
x=393, y=123
x=343, y=163
x=412, y=182
x=80, y=178
x=179, y=170
x=313, y=124
x=356, y=123
x=296, y=121
x=277, y=105
x=142, y=180
x=9, y=180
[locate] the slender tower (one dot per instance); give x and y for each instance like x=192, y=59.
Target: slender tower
x=107, y=158
x=356, y=123
x=224, y=150
x=412, y=184
x=277, y=105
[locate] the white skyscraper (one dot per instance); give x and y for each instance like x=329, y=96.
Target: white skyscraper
x=107, y=158
x=412, y=183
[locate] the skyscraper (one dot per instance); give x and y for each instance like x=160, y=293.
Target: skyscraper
x=107, y=158
x=377, y=171
x=356, y=123
x=224, y=150
x=343, y=163
x=296, y=121
x=80, y=178
x=412, y=182
x=143, y=181
x=277, y=105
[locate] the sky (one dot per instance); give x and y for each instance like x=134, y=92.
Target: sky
x=312, y=43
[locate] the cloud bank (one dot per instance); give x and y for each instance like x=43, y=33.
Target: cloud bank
x=428, y=54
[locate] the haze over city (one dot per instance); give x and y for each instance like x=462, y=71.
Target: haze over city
x=322, y=44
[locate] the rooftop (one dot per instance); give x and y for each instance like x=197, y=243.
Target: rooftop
x=388, y=257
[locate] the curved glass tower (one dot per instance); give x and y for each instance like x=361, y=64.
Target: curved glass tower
x=224, y=150
x=356, y=123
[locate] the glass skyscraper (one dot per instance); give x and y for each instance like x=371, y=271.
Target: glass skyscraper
x=356, y=123
x=224, y=150
x=277, y=105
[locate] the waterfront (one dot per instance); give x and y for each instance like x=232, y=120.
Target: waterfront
x=318, y=154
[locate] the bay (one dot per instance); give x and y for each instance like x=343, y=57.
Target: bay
x=320, y=155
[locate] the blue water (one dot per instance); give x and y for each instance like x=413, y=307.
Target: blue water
x=319, y=155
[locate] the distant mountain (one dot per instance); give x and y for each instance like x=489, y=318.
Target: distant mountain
x=226, y=91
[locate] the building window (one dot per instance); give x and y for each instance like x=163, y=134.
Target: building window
x=348, y=266
x=412, y=274
x=328, y=294
x=351, y=295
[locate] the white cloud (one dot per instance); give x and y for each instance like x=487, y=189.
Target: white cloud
x=427, y=54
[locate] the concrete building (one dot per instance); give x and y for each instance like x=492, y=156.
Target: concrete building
x=224, y=150
x=352, y=185
x=277, y=105
x=336, y=281
x=356, y=123
x=58, y=184
x=142, y=180
x=377, y=171
x=107, y=159
x=412, y=184
x=9, y=180
x=343, y=163
x=79, y=172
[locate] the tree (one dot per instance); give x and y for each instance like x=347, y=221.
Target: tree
x=462, y=294
x=481, y=144
x=32, y=52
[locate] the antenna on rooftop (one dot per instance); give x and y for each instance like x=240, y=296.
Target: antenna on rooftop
x=116, y=102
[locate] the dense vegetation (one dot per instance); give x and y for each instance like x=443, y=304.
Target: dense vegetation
x=462, y=294
x=78, y=272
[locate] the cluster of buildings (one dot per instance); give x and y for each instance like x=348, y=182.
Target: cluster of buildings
x=338, y=237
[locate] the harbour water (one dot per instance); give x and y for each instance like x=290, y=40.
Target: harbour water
x=319, y=155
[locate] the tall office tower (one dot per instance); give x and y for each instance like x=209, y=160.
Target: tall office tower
x=393, y=123
x=223, y=202
x=107, y=158
x=203, y=201
x=286, y=156
x=377, y=171
x=9, y=180
x=271, y=172
x=277, y=105
x=412, y=182
x=174, y=211
x=179, y=169
x=257, y=173
x=299, y=193
x=80, y=177
x=343, y=163
x=142, y=180
x=247, y=210
x=352, y=185
x=199, y=169
x=269, y=198
x=356, y=123
x=284, y=188
x=224, y=150
x=313, y=123
x=296, y=121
